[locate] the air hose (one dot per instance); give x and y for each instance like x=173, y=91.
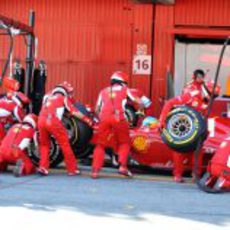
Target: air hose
x=201, y=185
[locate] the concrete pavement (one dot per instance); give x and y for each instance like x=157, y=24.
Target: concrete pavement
x=59, y=201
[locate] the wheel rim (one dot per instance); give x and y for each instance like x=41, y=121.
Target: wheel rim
x=180, y=126
x=35, y=154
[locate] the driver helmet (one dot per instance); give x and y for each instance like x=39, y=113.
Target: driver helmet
x=150, y=122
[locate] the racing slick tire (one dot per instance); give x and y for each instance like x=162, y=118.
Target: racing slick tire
x=79, y=133
x=184, y=127
x=56, y=156
x=131, y=116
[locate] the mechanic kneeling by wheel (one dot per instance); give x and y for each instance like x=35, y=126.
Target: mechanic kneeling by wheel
x=12, y=109
x=49, y=123
x=111, y=110
x=14, y=146
x=196, y=98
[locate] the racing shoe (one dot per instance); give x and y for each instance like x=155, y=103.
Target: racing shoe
x=125, y=172
x=18, y=169
x=74, y=173
x=43, y=171
x=178, y=179
x=95, y=174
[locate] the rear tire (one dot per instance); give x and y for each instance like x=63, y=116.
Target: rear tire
x=79, y=133
x=56, y=156
x=131, y=116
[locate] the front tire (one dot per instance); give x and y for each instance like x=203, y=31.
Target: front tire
x=184, y=127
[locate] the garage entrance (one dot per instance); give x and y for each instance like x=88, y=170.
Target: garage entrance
x=192, y=54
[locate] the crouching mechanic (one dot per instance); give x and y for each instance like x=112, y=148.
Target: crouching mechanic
x=49, y=123
x=111, y=111
x=11, y=110
x=219, y=168
x=198, y=100
x=13, y=149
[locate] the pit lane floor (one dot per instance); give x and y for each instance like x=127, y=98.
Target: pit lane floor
x=146, y=201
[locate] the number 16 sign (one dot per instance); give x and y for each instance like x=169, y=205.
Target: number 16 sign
x=142, y=64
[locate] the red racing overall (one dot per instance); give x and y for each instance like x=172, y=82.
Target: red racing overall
x=14, y=147
x=195, y=100
x=9, y=111
x=220, y=163
x=191, y=86
x=111, y=102
x=49, y=123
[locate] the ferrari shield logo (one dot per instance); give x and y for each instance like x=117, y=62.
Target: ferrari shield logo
x=112, y=95
x=16, y=130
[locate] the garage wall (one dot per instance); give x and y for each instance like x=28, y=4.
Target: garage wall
x=211, y=13
x=163, y=53
x=84, y=41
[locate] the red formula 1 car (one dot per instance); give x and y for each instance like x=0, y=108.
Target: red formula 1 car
x=153, y=148
x=150, y=147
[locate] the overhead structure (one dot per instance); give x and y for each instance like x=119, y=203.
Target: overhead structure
x=166, y=2
x=11, y=27
x=11, y=23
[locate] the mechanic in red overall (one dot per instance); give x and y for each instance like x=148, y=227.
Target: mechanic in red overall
x=219, y=167
x=110, y=109
x=196, y=99
x=198, y=78
x=13, y=149
x=49, y=123
x=11, y=109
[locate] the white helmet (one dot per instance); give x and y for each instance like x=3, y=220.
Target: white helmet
x=119, y=77
x=31, y=119
x=64, y=88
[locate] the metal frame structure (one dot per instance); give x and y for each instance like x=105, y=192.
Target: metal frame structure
x=12, y=27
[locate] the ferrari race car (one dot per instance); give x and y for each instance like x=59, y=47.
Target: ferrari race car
x=150, y=146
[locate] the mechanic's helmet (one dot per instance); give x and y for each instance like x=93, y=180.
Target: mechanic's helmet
x=64, y=88
x=119, y=77
x=209, y=88
x=10, y=84
x=198, y=73
x=150, y=122
x=31, y=119
x=20, y=99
